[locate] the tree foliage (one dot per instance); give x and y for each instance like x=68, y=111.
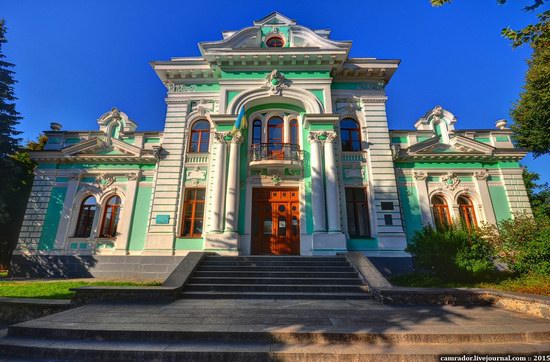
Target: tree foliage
x=531, y=114
x=538, y=193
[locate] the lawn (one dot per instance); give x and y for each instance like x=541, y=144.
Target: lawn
x=530, y=283
x=56, y=289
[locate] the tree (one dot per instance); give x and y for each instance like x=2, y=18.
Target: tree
x=531, y=114
x=539, y=194
x=9, y=119
x=17, y=187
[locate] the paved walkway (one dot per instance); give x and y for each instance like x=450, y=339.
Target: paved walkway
x=293, y=315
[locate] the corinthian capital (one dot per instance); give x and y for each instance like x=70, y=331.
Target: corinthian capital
x=420, y=175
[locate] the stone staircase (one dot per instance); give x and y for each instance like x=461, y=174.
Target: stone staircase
x=284, y=277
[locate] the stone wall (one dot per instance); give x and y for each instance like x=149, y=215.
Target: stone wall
x=94, y=266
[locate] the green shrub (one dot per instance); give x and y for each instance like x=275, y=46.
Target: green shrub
x=452, y=252
x=522, y=243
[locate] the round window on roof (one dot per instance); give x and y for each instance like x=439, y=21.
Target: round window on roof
x=275, y=42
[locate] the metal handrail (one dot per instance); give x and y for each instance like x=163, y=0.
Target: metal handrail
x=274, y=151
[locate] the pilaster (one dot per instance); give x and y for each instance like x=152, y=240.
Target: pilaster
x=169, y=171
x=317, y=184
x=483, y=190
x=420, y=181
x=67, y=213
x=382, y=180
x=122, y=241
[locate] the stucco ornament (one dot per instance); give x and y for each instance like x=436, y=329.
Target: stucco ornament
x=451, y=180
x=179, y=88
x=105, y=180
x=133, y=176
x=420, y=175
x=115, y=113
x=481, y=175
x=275, y=81
x=276, y=180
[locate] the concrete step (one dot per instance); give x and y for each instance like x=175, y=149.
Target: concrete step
x=274, y=295
x=276, y=274
x=277, y=258
x=282, y=268
x=341, y=263
x=271, y=280
x=107, y=350
x=275, y=288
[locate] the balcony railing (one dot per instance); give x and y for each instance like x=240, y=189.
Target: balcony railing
x=274, y=152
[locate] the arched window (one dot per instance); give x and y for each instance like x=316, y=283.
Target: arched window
x=275, y=42
x=350, y=134
x=275, y=130
x=85, y=217
x=294, y=132
x=467, y=212
x=110, y=217
x=257, y=132
x=442, y=217
x=200, y=136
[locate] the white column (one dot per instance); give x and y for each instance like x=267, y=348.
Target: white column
x=219, y=180
x=317, y=184
x=232, y=192
x=332, y=196
x=420, y=179
x=64, y=222
x=483, y=189
x=126, y=213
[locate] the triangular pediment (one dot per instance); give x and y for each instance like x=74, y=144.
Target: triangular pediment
x=458, y=145
x=275, y=18
x=102, y=146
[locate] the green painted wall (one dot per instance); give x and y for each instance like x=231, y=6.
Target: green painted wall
x=230, y=95
x=152, y=140
x=319, y=94
x=500, y=202
x=362, y=244
x=422, y=138
x=502, y=139
x=306, y=74
x=140, y=218
x=411, y=209
x=483, y=139
x=51, y=221
x=402, y=139
x=188, y=244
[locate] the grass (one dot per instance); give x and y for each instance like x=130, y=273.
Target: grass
x=529, y=283
x=56, y=289
x=3, y=273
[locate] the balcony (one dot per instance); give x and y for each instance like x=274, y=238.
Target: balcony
x=284, y=155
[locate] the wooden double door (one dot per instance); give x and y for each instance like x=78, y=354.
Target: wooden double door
x=275, y=221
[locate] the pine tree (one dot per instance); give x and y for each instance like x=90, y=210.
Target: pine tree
x=9, y=117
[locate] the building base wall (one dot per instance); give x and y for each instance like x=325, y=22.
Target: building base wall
x=127, y=267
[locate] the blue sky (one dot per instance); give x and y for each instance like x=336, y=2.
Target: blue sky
x=77, y=59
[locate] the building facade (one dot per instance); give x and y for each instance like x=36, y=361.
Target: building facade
x=316, y=170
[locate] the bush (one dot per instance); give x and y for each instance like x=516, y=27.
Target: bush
x=452, y=252
x=522, y=243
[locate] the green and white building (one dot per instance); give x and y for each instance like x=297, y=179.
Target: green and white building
x=316, y=172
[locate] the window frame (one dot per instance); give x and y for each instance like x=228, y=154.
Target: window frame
x=440, y=212
x=79, y=231
x=463, y=212
x=193, y=202
x=350, y=132
x=294, y=130
x=275, y=38
x=356, y=203
x=115, y=210
x=272, y=126
x=257, y=124
x=199, y=143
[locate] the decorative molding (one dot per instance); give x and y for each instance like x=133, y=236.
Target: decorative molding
x=420, y=175
x=196, y=174
x=133, y=176
x=105, y=180
x=481, y=175
x=276, y=179
x=451, y=180
x=276, y=81
x=321, y=136
x=237, y=137
x=179, y=88
x=366, y=100
x=354, y=173
x=221, y=137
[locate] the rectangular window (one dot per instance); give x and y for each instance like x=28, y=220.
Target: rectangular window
x=388, y=220
x=358, y=212
x=193, y=213
x=386, y=206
